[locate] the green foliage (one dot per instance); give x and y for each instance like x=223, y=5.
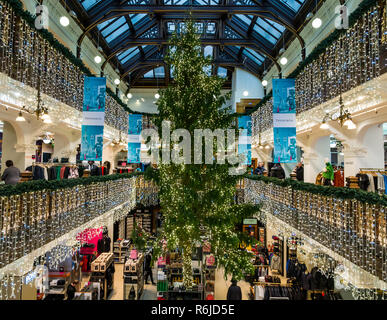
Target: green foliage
x=338, y=192
x=198, y=200
x=38, y=185
x=138, y=238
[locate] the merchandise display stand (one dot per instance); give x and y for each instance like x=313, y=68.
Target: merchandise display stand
x=134, y=278
x=101, y=273
x=58, y=289
x=89, y=292
x=120, y=250
x=170, y=279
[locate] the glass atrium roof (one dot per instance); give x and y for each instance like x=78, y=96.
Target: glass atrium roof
x=250, y=37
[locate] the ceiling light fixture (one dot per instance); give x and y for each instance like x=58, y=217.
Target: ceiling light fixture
x=284, y=61
x=20, y=117
x=317, y=23
x=157, y=96
x=97, y=59
x=64, y=21
x=47, y=121
x=245, y=93
x=344, y=118
x=264, y=83
x=117, y=81
x=129, y=95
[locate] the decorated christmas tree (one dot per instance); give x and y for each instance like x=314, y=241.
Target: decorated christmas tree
x=198, y=200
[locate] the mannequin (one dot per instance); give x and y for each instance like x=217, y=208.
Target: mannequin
x=104, y=243
x=328, y=173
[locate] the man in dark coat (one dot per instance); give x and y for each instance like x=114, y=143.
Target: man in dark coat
x=300, y=172
x=71, y=291
x=277, y=171
x=234, y=292
x=148, y=268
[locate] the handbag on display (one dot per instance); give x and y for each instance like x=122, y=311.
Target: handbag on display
x=206, y=247
x=210, y=261
x=133, y=254
x=161, y=262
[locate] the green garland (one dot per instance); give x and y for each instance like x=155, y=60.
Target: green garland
x=38, y=185
x=17, y=6
x=321, y=47
x=337, y=192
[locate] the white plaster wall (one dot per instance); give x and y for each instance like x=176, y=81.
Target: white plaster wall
x=367, y=151
x=314, y=158
x=9, y=150
x=245, y=81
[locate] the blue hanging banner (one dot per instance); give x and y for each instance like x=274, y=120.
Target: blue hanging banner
x=244, y=146
x=134, y=152
x=94, y=99
x=284, y=121
x=135, y=124
x=134, y=145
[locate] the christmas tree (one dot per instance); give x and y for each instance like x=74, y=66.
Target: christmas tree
x=198, y=199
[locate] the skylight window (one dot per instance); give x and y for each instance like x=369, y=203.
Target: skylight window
x=222, y=72
x=256, y=57
x=88, y=4
x=127, y=55
x=155, y=73
x=136, y=17
x=295, y=5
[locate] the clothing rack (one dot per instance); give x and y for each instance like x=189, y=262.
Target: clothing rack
x=288, y=285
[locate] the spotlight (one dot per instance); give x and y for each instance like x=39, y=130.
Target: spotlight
x=264, y=83
x=129, y=95
x=245, y=93
x=117, y=81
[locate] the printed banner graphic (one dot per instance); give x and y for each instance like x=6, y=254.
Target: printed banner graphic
x=284, y=121
x=135, y=124
x=284, y=96
x=244, y=146
x=94, y=100
x=134, y=152
x=134, y=145
x=285, y=148
x=245, y=149
x=245, y=123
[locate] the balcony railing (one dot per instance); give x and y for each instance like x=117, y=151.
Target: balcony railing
x=354, y=229
x=30, y=220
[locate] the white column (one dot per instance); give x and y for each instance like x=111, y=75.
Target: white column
x=314, y=158
x=365, y=152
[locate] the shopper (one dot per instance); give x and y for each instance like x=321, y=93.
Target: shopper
x=71, y=289
x=93, y=168
x=277, y=171
x=260, y=170
x=11, y=175
x=300, y=172
x=148, y=268
x=328, y=174
x=234, y=292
